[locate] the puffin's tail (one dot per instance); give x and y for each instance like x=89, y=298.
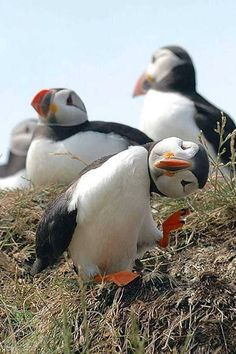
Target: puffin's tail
x=39, y=265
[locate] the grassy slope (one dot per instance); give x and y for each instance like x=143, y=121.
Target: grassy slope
x=185, y=302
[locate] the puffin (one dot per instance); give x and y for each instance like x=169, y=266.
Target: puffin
x=172, y=105
x=104, y=218
x=13, y=172
x=65, y=141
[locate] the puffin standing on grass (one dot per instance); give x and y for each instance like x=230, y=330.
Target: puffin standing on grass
x=65, y=141
x=172, y=105
x=13, y=173
x=104, y=219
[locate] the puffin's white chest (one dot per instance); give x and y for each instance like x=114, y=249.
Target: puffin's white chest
x=112, y=203
x=167, y=114
x=18, y=180
x=50, y=162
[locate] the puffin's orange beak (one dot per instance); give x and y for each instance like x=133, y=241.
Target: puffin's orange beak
x=37, y=100
x=172, y=164
x=138, y=89
x=144, y=83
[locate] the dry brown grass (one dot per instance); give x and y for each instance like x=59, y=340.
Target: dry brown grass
x=184, y=303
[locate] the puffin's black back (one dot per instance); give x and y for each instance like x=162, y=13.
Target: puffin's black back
x=57, y=133
x=206, y=119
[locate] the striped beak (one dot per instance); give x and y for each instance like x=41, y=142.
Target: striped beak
x=144, y=83
x=138, y=90
x=38, y=100
x=172, y=164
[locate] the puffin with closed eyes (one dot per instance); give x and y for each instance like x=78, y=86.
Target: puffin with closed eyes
x=65, y=141
x=104, y=218
x=172, y=106
x=13, y=172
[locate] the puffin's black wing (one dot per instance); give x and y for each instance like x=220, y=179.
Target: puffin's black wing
x=57, y=133
x=133, y=135
x=3, y=171
x=54, y=232
x=56, y=228
x=206, y=118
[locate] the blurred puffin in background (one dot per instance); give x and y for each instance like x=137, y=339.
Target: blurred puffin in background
x=104, y=219
x=65, y=141
x=172, y=106
x=13, y=173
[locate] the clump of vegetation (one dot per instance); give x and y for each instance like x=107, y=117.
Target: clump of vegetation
x=185, y=301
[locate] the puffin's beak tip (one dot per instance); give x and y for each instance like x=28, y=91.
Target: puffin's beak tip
x=36, y=101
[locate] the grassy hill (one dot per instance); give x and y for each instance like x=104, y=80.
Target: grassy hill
x=184, y=303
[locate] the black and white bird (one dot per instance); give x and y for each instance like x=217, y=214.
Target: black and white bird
x=64, y=132
x=104, y=219
x=13, y=172
x=173, y=107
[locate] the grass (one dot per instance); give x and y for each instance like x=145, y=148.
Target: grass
x=184, y=303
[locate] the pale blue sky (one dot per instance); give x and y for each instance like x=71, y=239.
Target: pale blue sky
x=100, y=48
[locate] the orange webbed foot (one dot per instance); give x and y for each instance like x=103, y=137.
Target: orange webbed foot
x=173, y=222
x=120, y=278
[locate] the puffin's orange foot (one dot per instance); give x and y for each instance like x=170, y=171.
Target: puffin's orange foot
x=173, y=222
x=120, y=278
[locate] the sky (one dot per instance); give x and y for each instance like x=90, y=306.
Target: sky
x=100, y=48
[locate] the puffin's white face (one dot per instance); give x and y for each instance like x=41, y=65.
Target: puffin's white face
x=178, y=167
x=21, y=136
x=60, y=107
x=162, y=63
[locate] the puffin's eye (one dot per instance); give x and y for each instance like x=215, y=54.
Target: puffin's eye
x=153, y=59
x=184, y=183
x=183, y=147
x=69, y=101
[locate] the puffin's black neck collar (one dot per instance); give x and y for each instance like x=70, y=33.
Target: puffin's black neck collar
x=153, y=187
x=59, y=132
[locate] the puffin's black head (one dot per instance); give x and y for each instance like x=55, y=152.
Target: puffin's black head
x=60, y=106
x=178, y=167
x=170, y=69
x=179, y=52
